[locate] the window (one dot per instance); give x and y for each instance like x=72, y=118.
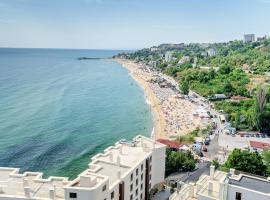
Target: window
x=137, y=172
x=141, y=186
x=136, y=192
x=141, y=196
x=112, y=195
x=238, y=196
x=131, y=177
x=150, y=177
x=150, y=158
x=104, y=188
x=131, y=197
x=150, y=167
x=131, y=187
x=141, y=177
x=72, y=195
x=137, y=182
x=141, y=167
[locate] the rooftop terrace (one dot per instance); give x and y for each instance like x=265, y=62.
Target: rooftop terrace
x=114, y=163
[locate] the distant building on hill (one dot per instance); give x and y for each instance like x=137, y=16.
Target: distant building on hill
x=259, y=39
x=183, y=60
x=211, y=52
x=153, y=49
x=249, y=37
x=168, y=56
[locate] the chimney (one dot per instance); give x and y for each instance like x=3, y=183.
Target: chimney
x=121, y=150
x=212, y=172
x=111, y=157
x=119, y=174
x=210, y=187
x=25, y=182
x=27, y=192
x=85, y=181
x=52, y=193
x=232, y=172
x=154, y=144
x=118, y=161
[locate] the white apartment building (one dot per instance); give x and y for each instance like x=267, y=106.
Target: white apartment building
x=211, y=52
x=126, y=171
x=168, y=56
x=249, y=37
x=225, y=186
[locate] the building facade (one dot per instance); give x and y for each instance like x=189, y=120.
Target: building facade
x=211, y=52
x=225, y=186
x=126, y=171
x=249, y=37
x=168, y=56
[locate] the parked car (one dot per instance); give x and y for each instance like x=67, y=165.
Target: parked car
x=204, y=149
x=242, y=134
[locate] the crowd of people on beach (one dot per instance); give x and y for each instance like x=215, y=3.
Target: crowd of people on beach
x=180, y=113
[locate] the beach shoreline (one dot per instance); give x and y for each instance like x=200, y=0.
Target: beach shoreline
x=158, y=118
x=174, y=114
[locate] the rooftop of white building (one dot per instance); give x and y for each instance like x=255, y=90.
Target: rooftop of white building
x=118, y=160
x=110, y=166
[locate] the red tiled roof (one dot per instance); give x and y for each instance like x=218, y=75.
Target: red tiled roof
x=170, y=144
x=259, y=145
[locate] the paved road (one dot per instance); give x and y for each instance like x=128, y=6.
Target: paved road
x=163, y=195
x=202, y=168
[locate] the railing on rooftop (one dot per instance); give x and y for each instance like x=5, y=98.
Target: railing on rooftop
x=238, y=172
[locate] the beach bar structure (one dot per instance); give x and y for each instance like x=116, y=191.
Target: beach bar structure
x=128, y=170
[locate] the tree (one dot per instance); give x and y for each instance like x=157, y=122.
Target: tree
x=259, y=106
x=246, y=161
x=184, y=87
x=215, y=163
x=224, y=69
x=266, y=159
x=179, y=161
x=228, y=88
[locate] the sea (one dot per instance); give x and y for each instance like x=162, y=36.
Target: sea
x=56, y=111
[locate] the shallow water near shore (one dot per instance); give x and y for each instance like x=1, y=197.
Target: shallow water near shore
x=57, y=111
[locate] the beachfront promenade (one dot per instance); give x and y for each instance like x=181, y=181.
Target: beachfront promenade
x=174, y=113
x=128, y=170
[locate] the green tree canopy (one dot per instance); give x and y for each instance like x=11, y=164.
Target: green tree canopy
x=246, y=161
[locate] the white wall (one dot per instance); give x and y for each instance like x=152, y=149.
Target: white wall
x=246, y=194
x=158, y=166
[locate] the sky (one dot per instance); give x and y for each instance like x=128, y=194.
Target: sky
x=128, y=24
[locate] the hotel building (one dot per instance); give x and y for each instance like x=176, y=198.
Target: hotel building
x=225, y=186
x=249, y=37
x=126, y=171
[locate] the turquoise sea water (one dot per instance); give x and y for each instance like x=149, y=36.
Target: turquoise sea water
x=56, y=111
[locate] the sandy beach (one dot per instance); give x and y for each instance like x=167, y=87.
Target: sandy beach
x=174, y=115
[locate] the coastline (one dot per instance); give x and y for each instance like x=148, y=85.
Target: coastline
x=158, y=118
x=174, y=115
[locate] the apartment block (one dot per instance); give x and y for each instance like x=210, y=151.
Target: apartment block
x=225, y=186
x=126, y=171
x=249, y=37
